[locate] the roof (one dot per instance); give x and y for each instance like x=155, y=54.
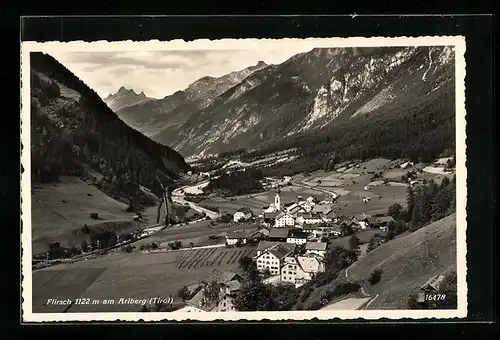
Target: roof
x=238, y=234
x=280, y=251
x=316, y=245
x=281, y=214
x=322, y=208
x=314, y=226
x=265, y=245
x=335, y=227
x=361, y=217
x=310, y=264
x=434, y=282
x=297, y=234
x=270, y=214
x=384, y=219
x=245, y=210
x=233, y=285
x=279, y=232
x=221, y=276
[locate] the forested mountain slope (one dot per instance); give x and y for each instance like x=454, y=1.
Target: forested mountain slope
x=72, y=130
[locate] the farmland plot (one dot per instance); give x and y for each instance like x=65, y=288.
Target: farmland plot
x=213, y=257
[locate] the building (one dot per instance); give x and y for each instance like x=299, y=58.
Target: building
x=315, y=230
x=433, y=283
x=363, y=220
x=227, y=283
x=301, y=269
x=265, y=245
x=316, y=248
x=297, y=237
x=333, y=230
x=312, y=199
x=239, y=236
x=283, y=220
x=278, y=234
x=382, y=222
x=272, y=258
x=306, y=205
x=309, y=218
x=242, y=214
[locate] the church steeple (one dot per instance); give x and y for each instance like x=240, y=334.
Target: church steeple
x=277, y=201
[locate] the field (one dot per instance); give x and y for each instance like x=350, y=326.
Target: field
x=364, y=236
x=197, y=233
x=136, y=275
x=408, y=262
x=59, y=208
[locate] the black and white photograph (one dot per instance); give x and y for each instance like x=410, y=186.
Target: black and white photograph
x=244, y=179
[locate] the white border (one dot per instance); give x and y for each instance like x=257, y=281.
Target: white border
x=461, y=172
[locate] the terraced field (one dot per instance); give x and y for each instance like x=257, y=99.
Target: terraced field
x=211, y=257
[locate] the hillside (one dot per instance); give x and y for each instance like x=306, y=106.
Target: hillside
x=408, y=262
x=72, y=127
x=325, y=92
x=168, y=113
x=124, y=98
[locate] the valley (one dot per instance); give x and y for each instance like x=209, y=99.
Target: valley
x=338, y=163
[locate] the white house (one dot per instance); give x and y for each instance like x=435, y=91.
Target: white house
x=301, y=269
x=272, y=258
x=367, y=187
x=313, y=229
x=297, y=237
x=406, y=165
x=366, y=199
x=284, y=220
x=242, y=214
x=306, y=205
x=233, y=238
x=309, y=218
x=316, y=248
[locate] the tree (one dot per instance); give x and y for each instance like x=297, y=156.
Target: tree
x=244, y=263
x=375, y=276
x=184, y=293
x=353, y=242
x=254, y=296
x=395, y=211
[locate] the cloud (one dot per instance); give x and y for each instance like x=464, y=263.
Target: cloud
x=161, y=73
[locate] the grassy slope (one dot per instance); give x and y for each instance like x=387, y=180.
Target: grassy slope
x=408, y=262
x=54, y=220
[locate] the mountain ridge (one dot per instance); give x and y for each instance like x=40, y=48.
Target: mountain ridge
x=174, y=109
x=124, y=98
x=73, y=129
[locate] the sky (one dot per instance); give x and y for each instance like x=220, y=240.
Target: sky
x=162, y=72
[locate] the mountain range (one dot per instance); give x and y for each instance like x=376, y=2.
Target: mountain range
x=157, y=116
x=125, y=97
x=308, y=93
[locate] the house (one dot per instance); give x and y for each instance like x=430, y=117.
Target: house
x=273, y=258
x=301, y=269
x=363, y=220
x=309, y=218
x=366, y=199
x=316, y=248
x=239, y=236
x=312, y=199
x=406, y=165
x=382, y=222
x=313, y=229
x=278, y=234
x=334, y=230
x=224, y=302
x=306, y=205
x=228, y=283
x=270, y=217
x=284, y=219
x=366, y=188
x=294, y=208
x=433, y=283
x=265, y=245
x=297, y=237
x=242, y=214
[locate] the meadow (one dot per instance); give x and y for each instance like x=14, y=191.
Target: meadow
x=57, y=209
x=136, y=275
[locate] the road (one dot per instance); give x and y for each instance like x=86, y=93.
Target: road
x=370, y=297
x=314, y=188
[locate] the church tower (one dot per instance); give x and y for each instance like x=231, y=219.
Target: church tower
x=277, y=201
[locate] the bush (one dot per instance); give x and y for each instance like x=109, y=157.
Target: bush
x=375, y=276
